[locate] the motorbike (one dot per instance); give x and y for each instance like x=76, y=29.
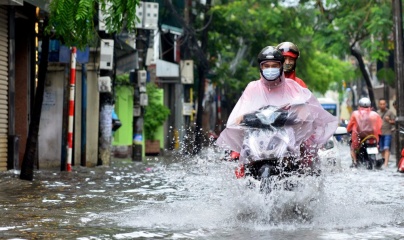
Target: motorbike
x=401, y=163
x=329, y=152
x=400, y=167
x=367, y=154
x=273, y=147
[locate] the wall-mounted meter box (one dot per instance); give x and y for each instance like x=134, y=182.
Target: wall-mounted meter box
x=107, y=54
x=187, y=71
x=137, y=111
x=144, y=99
x=141, y=80
x=149, y=57
x=151, y=15
x=104, y=84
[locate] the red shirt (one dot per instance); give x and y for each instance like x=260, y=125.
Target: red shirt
x=364, y=118
x=292, y=75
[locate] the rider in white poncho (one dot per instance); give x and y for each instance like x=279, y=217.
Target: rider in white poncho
x=312, y=125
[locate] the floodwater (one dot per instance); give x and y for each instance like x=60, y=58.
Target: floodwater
x=199, y=198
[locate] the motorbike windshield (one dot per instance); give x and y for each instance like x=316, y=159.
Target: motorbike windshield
x=276, y=124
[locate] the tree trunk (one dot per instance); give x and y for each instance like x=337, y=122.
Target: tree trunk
x=199, y=114
x=27, y=167
x=366, y=76
x=202, y=70
x=399, y=70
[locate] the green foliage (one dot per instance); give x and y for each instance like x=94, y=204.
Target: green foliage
x=242, y=28
x=121, y=14
x=122, y=80
x=363, y=24
x=72, y=21
x=328, y=70
x=387, y=75
x=155, y=112
x=324, y=31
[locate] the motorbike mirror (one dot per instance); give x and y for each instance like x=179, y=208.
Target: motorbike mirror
x=340, y=131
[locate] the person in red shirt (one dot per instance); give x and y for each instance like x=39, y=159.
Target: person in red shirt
x=291, y=53
x=363, y=122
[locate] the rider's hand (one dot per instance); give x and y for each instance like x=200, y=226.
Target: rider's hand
x=239, y=119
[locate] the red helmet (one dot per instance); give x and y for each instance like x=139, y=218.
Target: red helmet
x=289, y=49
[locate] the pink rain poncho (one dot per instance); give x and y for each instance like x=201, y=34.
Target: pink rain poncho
x=364, y=122
x=312, y=124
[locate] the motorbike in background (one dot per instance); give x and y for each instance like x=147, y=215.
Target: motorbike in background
x=367, y=154
x=329, y=153
x=400, y=167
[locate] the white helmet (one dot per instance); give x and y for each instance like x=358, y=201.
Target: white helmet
x=364, y=102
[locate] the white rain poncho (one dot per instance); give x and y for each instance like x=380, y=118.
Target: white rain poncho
x=307, y=121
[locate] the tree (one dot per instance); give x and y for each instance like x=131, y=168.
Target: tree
x=72, y=22
x=359, y=28
x=27, y=166
x=242, y=28
x=238, y=30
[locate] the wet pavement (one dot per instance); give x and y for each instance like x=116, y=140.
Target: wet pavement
x=180, y=197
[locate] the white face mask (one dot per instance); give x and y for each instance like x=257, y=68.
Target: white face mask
x=271, y=74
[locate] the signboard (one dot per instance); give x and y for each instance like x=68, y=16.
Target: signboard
x=187, y=109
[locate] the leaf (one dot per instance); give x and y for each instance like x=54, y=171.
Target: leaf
x=155, y=112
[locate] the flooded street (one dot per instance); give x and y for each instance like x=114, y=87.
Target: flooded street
x=199, y=198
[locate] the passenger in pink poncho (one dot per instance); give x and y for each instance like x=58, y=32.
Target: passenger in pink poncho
x=363, y=122
x=316, y=125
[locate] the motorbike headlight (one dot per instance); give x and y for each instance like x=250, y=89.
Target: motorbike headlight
x=329, y=144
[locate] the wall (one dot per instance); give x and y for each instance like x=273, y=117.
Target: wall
x=124, y=110
x=93, y=100
x=50, y=131
x=50, y=128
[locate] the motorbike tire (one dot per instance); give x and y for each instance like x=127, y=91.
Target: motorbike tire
x=372, y=161
x=369, y=165
x=264, y=175
x=266, y=185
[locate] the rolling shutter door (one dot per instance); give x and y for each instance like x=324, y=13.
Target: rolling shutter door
x=3, y=88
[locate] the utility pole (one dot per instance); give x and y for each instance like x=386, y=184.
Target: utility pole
x=106, y=99
x=188, y=119
x=398, y=68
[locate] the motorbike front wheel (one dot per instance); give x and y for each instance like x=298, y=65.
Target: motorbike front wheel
x=264, y=175
x=270, y=181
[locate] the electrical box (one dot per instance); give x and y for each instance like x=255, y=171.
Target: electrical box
x=187, y=71
x=187, y=109
x=141, y=80
x=107, y=54
x=144, y=99
x=151, y=15
x=104, y=84
x=149, y=56
x=137, y=111
x=140, y=15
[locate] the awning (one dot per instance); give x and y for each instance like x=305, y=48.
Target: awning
x=166, y=69
x=171, y=29
x=12, y=2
